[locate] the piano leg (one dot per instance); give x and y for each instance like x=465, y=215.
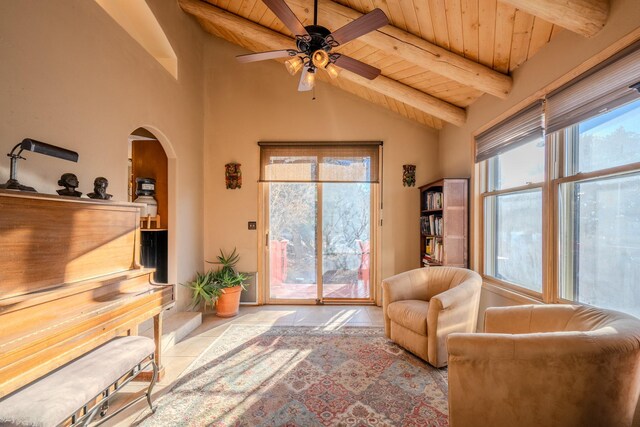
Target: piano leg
x=157, y=337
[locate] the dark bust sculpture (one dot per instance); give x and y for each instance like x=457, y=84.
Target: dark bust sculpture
x=100, y=185
x=70, y=182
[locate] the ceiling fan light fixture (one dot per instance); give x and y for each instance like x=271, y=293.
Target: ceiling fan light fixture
x=332, y=70
x=315, y=44
x=294, y=65
x=320, y=58
x=308, y=79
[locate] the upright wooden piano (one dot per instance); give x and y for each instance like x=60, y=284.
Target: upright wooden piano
x=70, y=280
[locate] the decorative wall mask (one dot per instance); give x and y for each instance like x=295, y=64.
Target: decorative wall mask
x=409, y=175
x=100, y=185
x=70, y=182
x=233, y=175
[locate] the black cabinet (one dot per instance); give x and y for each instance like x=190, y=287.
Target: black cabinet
x=154, y=253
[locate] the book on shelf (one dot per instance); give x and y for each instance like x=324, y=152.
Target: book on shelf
x=432, y=200
x=434, y=252
x=431, y=225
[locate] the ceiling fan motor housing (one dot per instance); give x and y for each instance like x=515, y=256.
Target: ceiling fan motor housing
x=315, y=41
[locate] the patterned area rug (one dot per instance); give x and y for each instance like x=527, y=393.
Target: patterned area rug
x=305, y=376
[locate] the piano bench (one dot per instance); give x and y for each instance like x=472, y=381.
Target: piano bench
x=75, y=393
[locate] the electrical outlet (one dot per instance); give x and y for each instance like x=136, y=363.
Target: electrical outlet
x=252, y=225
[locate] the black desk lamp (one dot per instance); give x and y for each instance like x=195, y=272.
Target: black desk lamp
x=37, y=147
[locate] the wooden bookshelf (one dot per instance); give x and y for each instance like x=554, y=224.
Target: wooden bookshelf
x=444, y=223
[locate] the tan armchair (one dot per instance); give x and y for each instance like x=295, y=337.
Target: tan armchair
x=421, y=307
x=546, y=365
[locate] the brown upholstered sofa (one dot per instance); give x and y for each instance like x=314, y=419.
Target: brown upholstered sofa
x=421, y=307
x=546, y=365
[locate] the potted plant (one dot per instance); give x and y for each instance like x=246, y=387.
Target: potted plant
x=220, y=288
x=202, y=291
x=226, y=284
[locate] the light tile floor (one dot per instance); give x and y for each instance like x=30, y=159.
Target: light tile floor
x=358, y=289
x=177, y=359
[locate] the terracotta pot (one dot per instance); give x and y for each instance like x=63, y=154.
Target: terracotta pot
x=228, y=304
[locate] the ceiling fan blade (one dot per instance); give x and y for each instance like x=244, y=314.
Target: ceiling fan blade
x=261, y=56
x=286, y=15
x=361, y=26
x=358, y=67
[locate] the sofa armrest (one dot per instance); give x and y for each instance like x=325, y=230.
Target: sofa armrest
x=462, y=294
x=455, y=310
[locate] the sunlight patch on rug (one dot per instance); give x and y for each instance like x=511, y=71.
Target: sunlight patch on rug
x=305, y=376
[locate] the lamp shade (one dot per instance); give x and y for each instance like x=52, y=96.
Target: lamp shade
x=332, y=70
x=28, y=144
x=320, y=58
x=308, y=80
x=293, y=65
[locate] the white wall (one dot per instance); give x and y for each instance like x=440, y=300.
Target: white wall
x=247, y=103
x=566, y=52
x=71, y=76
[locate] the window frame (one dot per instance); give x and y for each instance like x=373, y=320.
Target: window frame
x=484, y=194
x=560, y=160
x=566, y=141
x=553, y=168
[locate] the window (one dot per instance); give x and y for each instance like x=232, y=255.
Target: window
x=514, y=170
x=577, y=188
x=599, y=216
x=606, y=141
x=515, y=238
x=513, y=216
x=517, y=167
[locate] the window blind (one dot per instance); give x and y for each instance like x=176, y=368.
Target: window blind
x=523, y=127
x=604, y=88
x=319, y=162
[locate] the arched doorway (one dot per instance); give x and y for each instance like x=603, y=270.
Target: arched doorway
x=148, y=161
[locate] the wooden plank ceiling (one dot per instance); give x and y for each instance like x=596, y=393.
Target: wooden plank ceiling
x=491, y=33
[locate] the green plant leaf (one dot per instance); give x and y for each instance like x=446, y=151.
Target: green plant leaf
x=209, y=286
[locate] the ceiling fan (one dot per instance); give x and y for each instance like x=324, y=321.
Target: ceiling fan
x=315, y=42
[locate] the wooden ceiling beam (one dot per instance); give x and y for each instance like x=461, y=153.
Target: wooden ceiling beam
x=413, y=49
x=410, y=96
x=585, y=17
x=247, y=29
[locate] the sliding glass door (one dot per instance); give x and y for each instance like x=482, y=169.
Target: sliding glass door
x=292, y=237
x=346, y=230
x=319, y=241
x=319, y=222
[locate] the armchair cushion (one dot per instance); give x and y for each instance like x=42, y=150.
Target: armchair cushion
x=412, y=314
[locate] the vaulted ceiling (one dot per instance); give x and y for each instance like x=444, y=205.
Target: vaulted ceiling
x=437, y=56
